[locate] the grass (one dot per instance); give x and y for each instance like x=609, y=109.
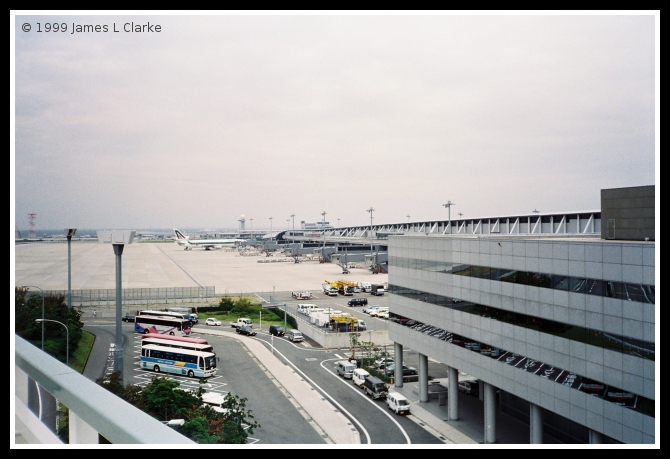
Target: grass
x=80, y=356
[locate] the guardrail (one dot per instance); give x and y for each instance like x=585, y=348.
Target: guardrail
x=92, y=409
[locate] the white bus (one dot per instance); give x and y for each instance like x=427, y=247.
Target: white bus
x=163, y=324
x=180, y=343
x=185, y=362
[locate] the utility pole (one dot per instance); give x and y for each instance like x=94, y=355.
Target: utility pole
x=293, y=234
x=448, y=206
x=324, y=230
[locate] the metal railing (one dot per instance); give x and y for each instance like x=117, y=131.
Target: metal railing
x=93, y=410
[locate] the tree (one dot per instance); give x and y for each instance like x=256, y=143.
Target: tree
x=243, y=307
x=226, y=304
x=163, y=399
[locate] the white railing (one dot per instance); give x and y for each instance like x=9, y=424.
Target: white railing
x=93, y=410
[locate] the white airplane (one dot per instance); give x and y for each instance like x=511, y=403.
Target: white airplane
x=207, y=244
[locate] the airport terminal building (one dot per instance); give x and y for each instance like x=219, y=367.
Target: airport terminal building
x=558, y=328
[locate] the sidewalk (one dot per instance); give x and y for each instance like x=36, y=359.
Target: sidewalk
x=335, y=426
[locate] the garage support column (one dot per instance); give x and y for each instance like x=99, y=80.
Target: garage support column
x=595, y=438
x=398, y=364
x=452, y=397
x=536, y=424
x=489, y=413
x=423, y=378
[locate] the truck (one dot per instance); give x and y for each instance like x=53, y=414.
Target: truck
x=242, y=321
x=377, y=289
x=365, y=287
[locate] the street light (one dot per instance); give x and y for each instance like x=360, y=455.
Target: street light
x=293, y=233
x=324, y=231
x=32, y=286
x=67, y=338
x=118, y=239
x=270, y=229
x=407, y=218
x=370, y=210
x=252, y=229
x=448, y=206
x=69, y=232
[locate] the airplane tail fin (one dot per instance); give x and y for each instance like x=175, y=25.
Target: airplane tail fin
x=179, y=236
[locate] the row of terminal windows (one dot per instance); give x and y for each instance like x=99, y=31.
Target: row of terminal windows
x=606, y=340
x=598, y=389
x=621, y=290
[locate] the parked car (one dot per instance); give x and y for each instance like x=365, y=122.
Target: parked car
x=128, y=318
x=246, y=330
x=276, y=330
x=357, y=302
x=369, y=309
x=383, y=314
x=295, y=335
x=406, y=370
x=212, y=321
x=381, y=363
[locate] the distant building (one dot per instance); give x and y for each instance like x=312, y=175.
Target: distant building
x=318, y=226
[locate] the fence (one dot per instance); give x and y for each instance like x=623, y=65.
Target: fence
x=139, y=296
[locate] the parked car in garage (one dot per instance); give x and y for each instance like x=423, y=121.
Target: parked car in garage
x=406, y=370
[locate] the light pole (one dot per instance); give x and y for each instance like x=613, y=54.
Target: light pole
x=370, y=210
x=338, y=223
x=67, y=338
x=118, y=239
x=69, y=232
x=324, y=231
x=408, y=219
x=270, y=229
x=293, y=234
x=252, y=229
x=32, y=286
x=448, y=206
x=288, y=222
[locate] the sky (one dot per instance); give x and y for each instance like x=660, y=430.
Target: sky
x=202, y=119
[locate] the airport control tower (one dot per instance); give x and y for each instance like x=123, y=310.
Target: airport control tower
x=242, y=221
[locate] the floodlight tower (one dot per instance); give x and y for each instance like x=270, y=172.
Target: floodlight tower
x=370, y=210
x=448, y=206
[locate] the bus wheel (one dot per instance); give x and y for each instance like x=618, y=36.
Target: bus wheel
x=190, y=373
x=157, y=369
x=146, y=330
x=171, y=333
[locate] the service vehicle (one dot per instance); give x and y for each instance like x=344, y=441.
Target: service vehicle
x=241, y=322
x=375, y=387
x=377, y=289
x=365, y=286
x=398, y=403
x=357, y=302
x=212, y=321
x=302, y=295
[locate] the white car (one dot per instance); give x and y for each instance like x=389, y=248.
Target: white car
x=212, y=321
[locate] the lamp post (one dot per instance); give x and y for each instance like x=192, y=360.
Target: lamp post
x=69, y=232
x=288, y=222
x=324, y=229
x=118, y=239
x=270, y=229
x=293, y=233
x=448, y=206
x=252, y=229
x=32, y=286
x=370, y=210
x=67, y=338
x=407, y=218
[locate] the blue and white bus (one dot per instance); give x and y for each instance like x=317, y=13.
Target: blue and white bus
x=185, y=362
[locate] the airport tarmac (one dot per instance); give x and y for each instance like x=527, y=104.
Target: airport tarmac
x=156, y=265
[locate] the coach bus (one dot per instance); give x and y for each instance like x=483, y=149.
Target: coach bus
x=185, y=362
x=178, y=342
x=163, y=324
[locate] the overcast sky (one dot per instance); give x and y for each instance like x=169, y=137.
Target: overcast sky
x=219, y=116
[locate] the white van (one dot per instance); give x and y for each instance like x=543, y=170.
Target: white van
x=215, y=401
x=358, y=377
x=397, y=403
x=294, y=335
x=345, y=369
